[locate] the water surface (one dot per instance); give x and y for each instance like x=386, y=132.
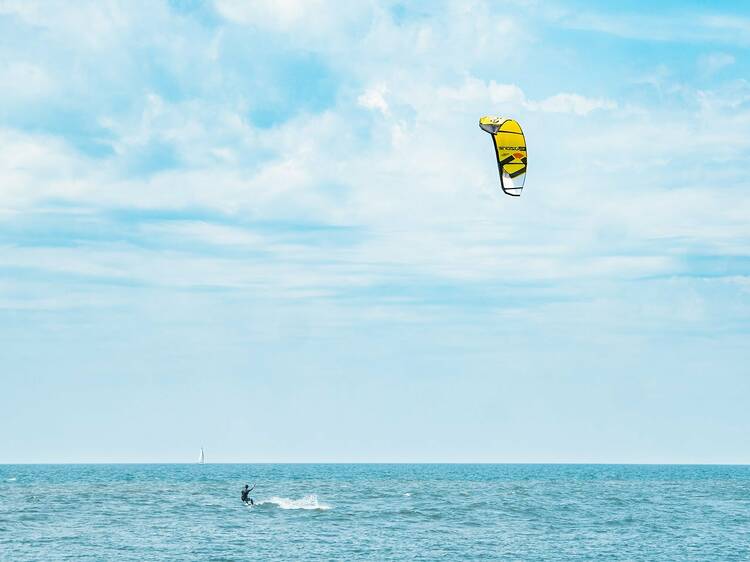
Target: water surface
x=375, y=512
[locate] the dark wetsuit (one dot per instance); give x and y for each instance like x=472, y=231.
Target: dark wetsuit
x=245, y=496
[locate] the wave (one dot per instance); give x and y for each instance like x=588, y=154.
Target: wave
x=13, y=479
x=308, y=502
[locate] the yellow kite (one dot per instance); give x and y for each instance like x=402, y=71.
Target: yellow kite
x=510, y=151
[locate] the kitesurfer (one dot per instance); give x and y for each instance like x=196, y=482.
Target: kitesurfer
x=245, y=495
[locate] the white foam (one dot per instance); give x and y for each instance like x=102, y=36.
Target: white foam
x=308, y=502
x=11, y=479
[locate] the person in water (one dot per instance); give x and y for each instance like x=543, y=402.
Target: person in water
x=246, y=495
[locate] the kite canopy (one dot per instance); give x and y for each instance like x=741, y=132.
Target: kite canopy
x=510, y=152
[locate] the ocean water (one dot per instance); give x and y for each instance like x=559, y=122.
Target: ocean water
x=375, y=512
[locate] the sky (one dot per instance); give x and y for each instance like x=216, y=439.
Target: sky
x=274, y=229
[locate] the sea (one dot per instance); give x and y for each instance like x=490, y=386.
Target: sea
x=375, y=512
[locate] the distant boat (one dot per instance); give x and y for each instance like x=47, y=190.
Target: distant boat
x=202, y=457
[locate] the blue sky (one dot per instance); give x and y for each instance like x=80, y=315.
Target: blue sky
x=274, y=229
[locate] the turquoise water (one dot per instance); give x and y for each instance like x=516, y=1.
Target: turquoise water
x=375, y=512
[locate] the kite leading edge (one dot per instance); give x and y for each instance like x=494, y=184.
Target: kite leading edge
x=510, y=151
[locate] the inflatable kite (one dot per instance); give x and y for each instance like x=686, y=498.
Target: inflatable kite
x=510, y=152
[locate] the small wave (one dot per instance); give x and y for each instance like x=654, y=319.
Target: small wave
x=628, y=519
x=11, y=479
x=407, y=494
x=308, y=502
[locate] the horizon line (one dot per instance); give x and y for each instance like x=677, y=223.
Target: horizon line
x=515, y=463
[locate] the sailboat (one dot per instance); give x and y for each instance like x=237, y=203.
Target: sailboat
x=202, y=457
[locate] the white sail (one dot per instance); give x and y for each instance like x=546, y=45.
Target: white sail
x=202, y=457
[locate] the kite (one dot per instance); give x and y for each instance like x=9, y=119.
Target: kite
x=510, y=151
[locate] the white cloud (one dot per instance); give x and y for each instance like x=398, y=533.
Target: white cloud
x=207, y=233
x=95, y=24
x=318, y=24
x=712, y=63
x=733, y=97
x=685, y=27
x=374, y=98
x=572, y=103
x=37, y=167
x=22, y=80
x=512, y=96
x=283, y=14
x=419, y=181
